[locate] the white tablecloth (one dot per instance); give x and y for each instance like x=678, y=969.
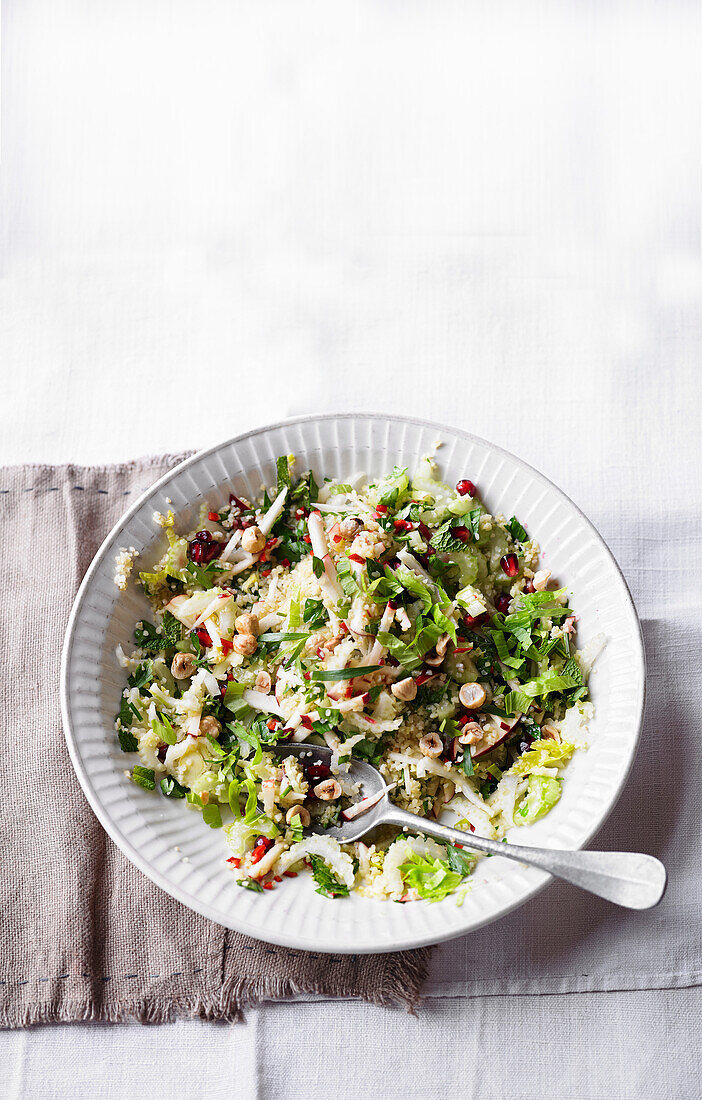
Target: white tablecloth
x=215, y=215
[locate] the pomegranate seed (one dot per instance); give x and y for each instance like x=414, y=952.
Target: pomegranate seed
x=277, y=878
x=265, y=572
x=317, y=770
x=357, y=558
x=285, y=563
x=528, y=587
x=227, y=646
x=381, y=509
x=464, y=719
x=306, y=721
x=267, y=885
x=510, y=565
x=300, y=513
x=392, y=604
x=504, y=726
x=234, y=860
x=203, y=637
x=162, y=750
x=306, y=538
x=465, y=488
x=402, y=525
x=473, y=620
x=203, y=548
x=461, y=533
x=290, y=874
x=502, y=604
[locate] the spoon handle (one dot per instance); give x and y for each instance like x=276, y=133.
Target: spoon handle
x=631, y=879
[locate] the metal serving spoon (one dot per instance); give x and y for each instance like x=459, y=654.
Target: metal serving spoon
x=631, y=879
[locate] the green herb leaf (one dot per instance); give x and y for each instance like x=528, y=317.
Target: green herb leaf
x=314, y=613
x=143, y=674
x=148, y=638
x=317, y=566
x=328, y=675
x=281, y=636
x=282, y=469
x=205, y=575
x=473, y=522
x=143, y=777
x=172, y=788
x=459, y=861
x=211, y=815
x=127, y=741
x=328, y=884
x=250, y=884
x=516, y=530
x=443, y=540
x=163, y=728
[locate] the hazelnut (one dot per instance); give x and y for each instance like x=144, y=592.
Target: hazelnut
x=349, y=528
x=471, y=734
x=298, y=811
x=183, y=666
x=263, y=682
x=541, y=579
x=253, y=540
x=472, y=696
x=328, y=790
x=405, y=690
x=431, y=744
x=211, y=726
x=244, y=643
x=246, y=623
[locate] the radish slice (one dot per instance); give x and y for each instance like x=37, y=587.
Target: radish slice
x=366, y=804
x=385, y=623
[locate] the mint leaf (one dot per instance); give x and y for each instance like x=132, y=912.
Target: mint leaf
x=143, y=674
x=328, y=884
x=473, y=522
x=282, y=470
x=127, y=741
x=172, y=788
x=516, y=530
x=148, y=638
x=143, y=777
x=443, y=540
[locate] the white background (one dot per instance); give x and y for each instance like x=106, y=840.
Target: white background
x=217, y=214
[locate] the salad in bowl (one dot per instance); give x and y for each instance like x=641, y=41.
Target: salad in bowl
x=393, y=620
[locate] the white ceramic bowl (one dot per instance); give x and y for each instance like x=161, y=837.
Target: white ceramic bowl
x=179, y=852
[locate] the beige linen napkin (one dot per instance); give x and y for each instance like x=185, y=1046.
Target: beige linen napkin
x=84, y=934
